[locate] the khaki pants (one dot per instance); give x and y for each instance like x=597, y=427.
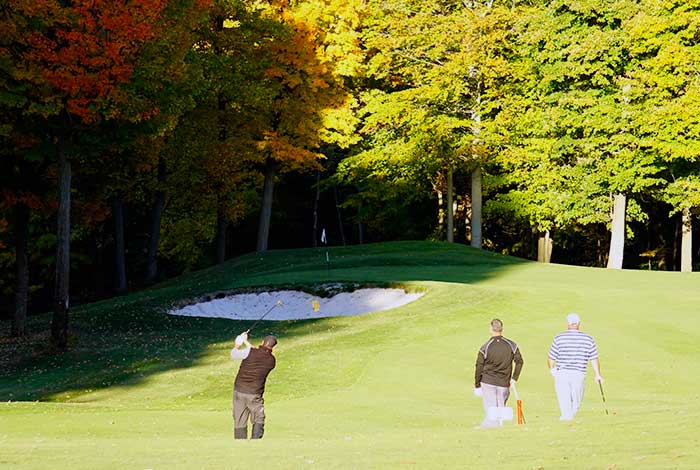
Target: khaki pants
x=248, y=406
x=493, y=395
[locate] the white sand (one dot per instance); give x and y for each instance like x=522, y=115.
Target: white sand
x=298, y=305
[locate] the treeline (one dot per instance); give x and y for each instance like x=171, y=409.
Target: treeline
x=573, y=120
x=146, y=138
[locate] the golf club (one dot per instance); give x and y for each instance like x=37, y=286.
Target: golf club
x=279, y=302
x=519, y=405
x=602, y=395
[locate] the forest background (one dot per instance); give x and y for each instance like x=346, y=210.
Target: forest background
x=143, y=139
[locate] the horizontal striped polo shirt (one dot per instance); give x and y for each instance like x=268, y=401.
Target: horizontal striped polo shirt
x=572, y=350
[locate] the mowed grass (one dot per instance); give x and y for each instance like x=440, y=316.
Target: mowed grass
x=143, y=390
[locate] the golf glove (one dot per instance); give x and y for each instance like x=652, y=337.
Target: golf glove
x=242, y=338
x=553, y=371
x=477, y=392
x=599, y=379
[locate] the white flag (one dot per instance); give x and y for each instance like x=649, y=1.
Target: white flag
x=323, y=236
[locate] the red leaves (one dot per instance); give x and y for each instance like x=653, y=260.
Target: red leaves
x=85, y=51
x=3, y=228
x=9, y=199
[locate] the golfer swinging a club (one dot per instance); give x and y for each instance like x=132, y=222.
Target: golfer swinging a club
x=568, y=360
x=494, y=372
x=250, y=385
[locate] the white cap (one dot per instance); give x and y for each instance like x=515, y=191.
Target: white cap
x=573, y=319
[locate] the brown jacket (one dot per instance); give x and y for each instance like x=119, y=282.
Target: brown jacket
x=254, y=370
x=494, y=362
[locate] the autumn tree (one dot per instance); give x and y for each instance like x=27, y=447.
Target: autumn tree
x=76, y=58
x=303, y=82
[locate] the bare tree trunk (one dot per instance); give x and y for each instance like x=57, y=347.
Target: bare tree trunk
x=468, y=218
x=19, y=320
x=617, y=236
x=676, y=231
x=360, y=225
x=476, y=208
x=450, y=207
x=687, y=242
x=61, y=298
x=316, y=202
x=266, y=209
x=154, y=227
x=337, y=211
x=154, y=237
x=120, y=244
x=544, y=247
x=441, y=215
x=221, y=228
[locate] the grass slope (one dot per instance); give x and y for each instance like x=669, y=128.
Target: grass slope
x=144, y=390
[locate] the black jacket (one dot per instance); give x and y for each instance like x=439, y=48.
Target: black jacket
x=494, y=362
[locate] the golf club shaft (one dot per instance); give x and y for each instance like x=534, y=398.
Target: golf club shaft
x=515, y=391
x=602, y=395
x=262, y=318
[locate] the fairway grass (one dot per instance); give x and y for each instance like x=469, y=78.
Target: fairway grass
x=143, y=390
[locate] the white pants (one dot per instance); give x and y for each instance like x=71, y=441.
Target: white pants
x=569, y=386
x=493, y=395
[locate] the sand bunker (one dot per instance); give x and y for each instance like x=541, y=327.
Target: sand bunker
x=297, y=305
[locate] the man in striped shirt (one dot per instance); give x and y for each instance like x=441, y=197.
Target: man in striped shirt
x=568, y=361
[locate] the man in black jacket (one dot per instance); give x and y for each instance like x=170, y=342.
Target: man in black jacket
x=249, y=387
x=494, y=371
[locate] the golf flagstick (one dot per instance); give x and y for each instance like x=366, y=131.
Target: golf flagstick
x=602, y=395
x=519, y=405
x=324, y=240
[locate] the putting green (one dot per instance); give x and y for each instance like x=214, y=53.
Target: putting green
x=142, y=389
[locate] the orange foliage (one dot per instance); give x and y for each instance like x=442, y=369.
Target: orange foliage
x=3, y=229
x=91, y=213
x=305, y=86
x=9, y=199
x=84, y=51
x=283, y=149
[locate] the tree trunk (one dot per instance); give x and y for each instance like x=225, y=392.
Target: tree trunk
x=19, y=320
x=450, y=207
x=221, y=227
x=676, y=231
x=476, y=208
x=544, y=247
x=687, y=242
x=95, y=251
x=61, y=299
x=337, y=211
x=468, y=218
x=154, y=227
x=154, y=237
x=617, y=236
x=316, y=202
x=360, y=226
x=441, y=215
x=266, y=209
x=120, y=244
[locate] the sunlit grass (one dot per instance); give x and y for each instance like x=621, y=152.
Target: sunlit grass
x=387, y=390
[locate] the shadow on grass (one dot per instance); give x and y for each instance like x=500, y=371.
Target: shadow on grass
x=122, y=341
